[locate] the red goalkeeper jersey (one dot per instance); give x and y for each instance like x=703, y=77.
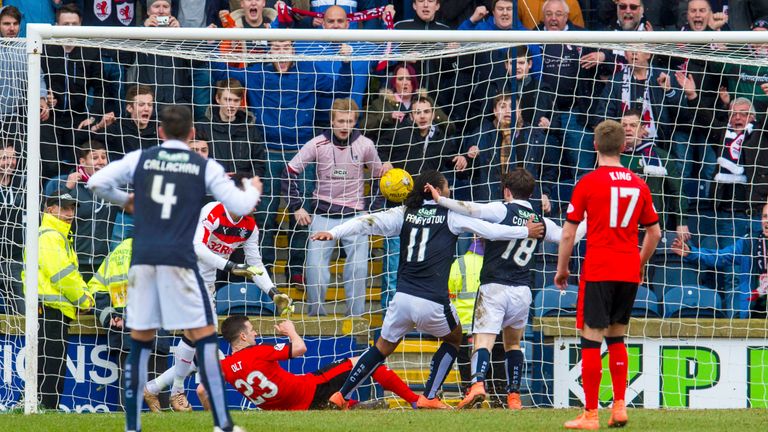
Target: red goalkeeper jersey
x=615, y=201
x=257, y=375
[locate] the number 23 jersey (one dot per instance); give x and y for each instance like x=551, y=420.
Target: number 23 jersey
x=616, y=202
x=257, y=375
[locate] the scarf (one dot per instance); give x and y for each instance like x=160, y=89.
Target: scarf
x=288, y=14
x=626, y=100
x=649, y=159
x=731, y=170
x=83, y=175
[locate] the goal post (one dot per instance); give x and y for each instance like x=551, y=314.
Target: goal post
x=409, y=46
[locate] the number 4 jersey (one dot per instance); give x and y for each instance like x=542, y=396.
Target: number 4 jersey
x=256, y=373
x=615, y=202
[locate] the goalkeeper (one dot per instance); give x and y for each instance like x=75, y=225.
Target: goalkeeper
x=218, y=234
x=256, y=372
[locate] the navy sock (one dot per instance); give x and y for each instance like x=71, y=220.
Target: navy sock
x=515, y=361
x=439, y=367
x=207, y=351
x=365, y=366
x=135, y=375
x=481, y=359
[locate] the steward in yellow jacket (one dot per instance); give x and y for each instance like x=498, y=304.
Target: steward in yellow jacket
x=62, y=295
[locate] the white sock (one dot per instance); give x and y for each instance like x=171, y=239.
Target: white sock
x=183, y=366
x=160, y=383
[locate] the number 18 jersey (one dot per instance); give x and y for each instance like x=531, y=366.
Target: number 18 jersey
x=615, y=201
x=509, y=262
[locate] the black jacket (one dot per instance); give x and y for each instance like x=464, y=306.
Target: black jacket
x=124, y=136
x=237, y=146
x=12, y=209
x=414, y=153
x=72, y=76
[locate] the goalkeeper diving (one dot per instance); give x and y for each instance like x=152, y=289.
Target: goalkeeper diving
x=218, y=234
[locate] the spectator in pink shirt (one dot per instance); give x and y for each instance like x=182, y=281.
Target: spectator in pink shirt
x=340, y=155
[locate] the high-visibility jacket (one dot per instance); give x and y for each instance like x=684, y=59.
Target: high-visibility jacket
x=59, y=283
x=112, y=278
x=463, y=284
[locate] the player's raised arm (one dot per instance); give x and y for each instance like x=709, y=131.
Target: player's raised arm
x=385, y=223
x=491, y=212
x=555, y=232
x=237, y=201
x=460, y=224
x=107, y=183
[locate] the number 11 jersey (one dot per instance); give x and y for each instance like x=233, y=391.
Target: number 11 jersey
x=615, y=202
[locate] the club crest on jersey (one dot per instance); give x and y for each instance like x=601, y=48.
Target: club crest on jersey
x=125, y=13
x=102, y=9
x=279, y=347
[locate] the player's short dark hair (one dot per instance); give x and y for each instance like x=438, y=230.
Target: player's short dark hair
x=520, y=183
x=633, y=112
x=11, y=11
x=68, y=8
x=88, y=146
x=609, y=138
x=232, y=327
x=136, y=90
x=417, y=195
x=176, y=121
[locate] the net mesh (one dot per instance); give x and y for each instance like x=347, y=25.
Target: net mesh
x=693, y=144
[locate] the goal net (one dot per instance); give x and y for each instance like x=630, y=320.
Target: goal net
x=472, y=105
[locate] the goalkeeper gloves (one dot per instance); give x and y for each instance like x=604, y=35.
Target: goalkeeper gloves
x=283, y=303
x=239, y=269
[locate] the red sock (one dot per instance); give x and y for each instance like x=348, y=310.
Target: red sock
x=618, y=365
x=591, y=372
x=391, y=382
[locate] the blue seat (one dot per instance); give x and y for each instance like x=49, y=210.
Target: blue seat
x=552, y=302
x=692, y=302
x=243, y=299
x=646, y=304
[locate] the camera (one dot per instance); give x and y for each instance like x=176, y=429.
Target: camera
x=163, y=21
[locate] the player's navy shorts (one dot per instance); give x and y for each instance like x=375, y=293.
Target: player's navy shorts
x=604, y=303
x=329, y=380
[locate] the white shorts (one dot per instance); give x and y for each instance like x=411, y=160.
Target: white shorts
x=501, y=306
x=406, y=312
x=169, y=297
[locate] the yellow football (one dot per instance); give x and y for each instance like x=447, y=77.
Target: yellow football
x=395, y=184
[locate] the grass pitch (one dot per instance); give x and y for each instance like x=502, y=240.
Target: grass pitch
x=395, y=421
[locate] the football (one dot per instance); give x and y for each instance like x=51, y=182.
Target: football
x=395, y=184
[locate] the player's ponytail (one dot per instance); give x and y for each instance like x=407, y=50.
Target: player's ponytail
x=417, y=195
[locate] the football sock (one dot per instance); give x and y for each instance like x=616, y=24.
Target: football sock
x=210, y=375
x=481, y=359
x=135, y=376
x=184, y=362
x=439, y=367
x=514, y=361
x=366, y=365
x=617, y=364
x=591, y=371
x=391, y=382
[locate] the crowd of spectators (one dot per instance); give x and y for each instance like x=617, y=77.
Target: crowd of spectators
x=695, y=128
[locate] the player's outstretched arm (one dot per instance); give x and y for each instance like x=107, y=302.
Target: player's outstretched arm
x=491, y=212
x=108, y=181
x=385, y=223
x=555, y=232
x=567, y=240
x=298, y=347
x=460, y=224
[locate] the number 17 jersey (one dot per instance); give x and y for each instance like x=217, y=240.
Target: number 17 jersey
x=615, y=202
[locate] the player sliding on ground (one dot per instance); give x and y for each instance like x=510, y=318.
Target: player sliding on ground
x=615, y=201
x=217, y=236
x=165, y=289
x=504, y=297
x=254, y=370
x=428, y=235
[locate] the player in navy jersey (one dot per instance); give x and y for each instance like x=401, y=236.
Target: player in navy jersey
x=165, y=289
x=504, y=296
x=428, y=235
x=616, y=202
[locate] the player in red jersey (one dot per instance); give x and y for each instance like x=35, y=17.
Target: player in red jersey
x=615, y=202
x=254, y=370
